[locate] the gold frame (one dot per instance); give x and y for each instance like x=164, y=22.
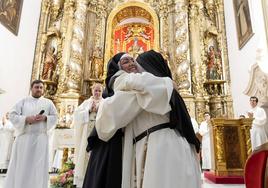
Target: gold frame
x=10, y=17
x=110, y=27
x=246, y=19
x=265, y=17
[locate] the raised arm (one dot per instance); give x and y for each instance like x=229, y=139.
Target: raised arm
x=116, y=112
x=153, y=93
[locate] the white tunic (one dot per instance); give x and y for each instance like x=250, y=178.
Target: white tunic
x=29, y=159
x=257, y=132
x=141, y=101
x=204, y=131
x=84, y=122
x=6, y=142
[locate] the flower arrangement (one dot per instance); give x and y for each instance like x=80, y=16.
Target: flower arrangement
x=65, y=177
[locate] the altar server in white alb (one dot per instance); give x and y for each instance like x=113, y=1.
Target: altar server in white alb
x=257, y=132
x=84, y=122
x=6, y=141
x=205, y=131
x=32, y=118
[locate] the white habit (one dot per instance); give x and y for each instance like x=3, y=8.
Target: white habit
x=204, y=131
x=6, y=142
x=84, y=122
x=257, y=132
x=29, y=159
x=141, y=101
x=195, y=125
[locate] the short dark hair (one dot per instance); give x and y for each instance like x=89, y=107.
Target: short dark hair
x=206, y=113
x=36, y=82
x=254, y=98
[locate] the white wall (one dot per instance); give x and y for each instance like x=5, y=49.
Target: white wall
x=241, y=60
x=16, y=56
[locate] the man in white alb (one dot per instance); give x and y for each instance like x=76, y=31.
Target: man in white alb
x=204, y=131
x=257, y=131
x=32, y=118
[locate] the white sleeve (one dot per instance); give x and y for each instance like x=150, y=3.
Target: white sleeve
x=81, y=113
x=153, y=93
x=203, y=130
x=259, y=117
x=81, y=118
x=116, y=112
x=52, y=116
x=16, y=117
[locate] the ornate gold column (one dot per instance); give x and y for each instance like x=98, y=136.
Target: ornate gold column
x=74, y=65
x=182, y=46
x=220, y=157
x=66, y=30
x=196, y=51
x=247, y=123
x=73, y=57
x=225, y=63
x=164, y=30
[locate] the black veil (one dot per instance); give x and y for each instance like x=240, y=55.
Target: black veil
x=105, y=164
x=180, y=119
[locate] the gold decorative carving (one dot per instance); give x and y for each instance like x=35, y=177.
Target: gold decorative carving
x=112, y=15
x=182, y=47
x=183, y=32
x=231, y=145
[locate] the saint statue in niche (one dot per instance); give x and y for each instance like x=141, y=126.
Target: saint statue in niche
x=214, y=64
x=135, y=49
x=50, y=64
x=97, y=63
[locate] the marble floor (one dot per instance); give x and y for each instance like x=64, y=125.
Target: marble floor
x=205, y=184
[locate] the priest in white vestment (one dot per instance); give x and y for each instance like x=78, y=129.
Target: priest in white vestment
x=205, y=131
x=32, y=118
x=162, y=159
x=6, y=142
x=257, y=132
x=84, y=122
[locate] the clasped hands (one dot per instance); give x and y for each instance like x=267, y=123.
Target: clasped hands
x=35, y=119
x=94, y=107
x=250, y=114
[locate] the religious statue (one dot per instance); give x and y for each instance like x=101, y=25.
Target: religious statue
x=136, y=31
x=214, y=64
x=128, y=34
x=97, y=63
x=50, y=63
x=135, y=49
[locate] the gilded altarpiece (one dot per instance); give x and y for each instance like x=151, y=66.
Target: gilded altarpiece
x=76, y=38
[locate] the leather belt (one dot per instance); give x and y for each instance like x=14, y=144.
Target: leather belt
x=150, y=130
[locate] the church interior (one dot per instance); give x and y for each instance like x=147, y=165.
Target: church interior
x=217, y=51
